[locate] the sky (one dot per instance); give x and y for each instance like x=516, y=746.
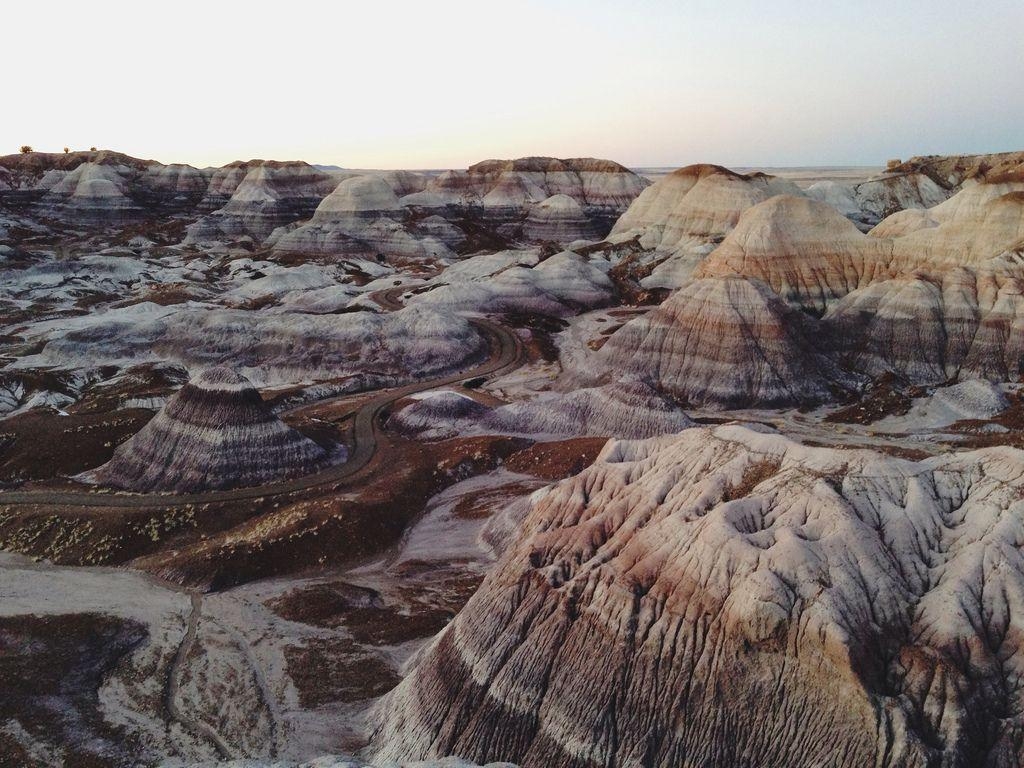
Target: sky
x=445, y=83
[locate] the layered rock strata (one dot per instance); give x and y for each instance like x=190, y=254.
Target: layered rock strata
x=729, y=343
x=752, y=602
x=214, y=433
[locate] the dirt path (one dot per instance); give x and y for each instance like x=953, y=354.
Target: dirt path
x=174, y=675
x=506, y=353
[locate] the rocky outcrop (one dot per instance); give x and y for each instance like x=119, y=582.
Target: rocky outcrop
x=363, y=217
x=561, y=285
x=98, y=188
x=868, y=202
x=727, y=343
x=559, y=219
x=270, y=195
x=684, y=215
x=268, y=348
x=215, y=433
x=805, y=250
x=502, y=193
x=919, y=183
x=695, y=205
x=727, y=597
x=931, y=328
x=629, y=408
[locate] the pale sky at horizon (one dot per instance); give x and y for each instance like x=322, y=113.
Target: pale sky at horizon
x=446, y=83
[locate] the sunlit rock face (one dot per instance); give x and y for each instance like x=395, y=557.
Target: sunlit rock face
x=685, y=215
x=730, y=343
x=215, y=433
x=269, y=195
x=728, y=597
x=695, y=205
x=805, y=250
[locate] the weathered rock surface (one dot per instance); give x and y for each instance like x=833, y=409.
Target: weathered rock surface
x=726, y=342
x=919, y=183
x=805, y=250
x=271, y=194
x=363, y=217
x=562, y=284
x=695, y=205
x=268, y=348
x=502, y=193
x=98, y=188
x=630, y=409
x=559, y=219
x=731, y=598
x=930, y=328
x=215, y=433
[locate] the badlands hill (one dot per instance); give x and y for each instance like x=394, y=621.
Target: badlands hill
x=396, y=213
x=216, y=432
x=929, y=294
x=751, y=602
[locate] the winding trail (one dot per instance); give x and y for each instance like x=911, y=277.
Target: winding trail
x=174, y=675
x=506, y=351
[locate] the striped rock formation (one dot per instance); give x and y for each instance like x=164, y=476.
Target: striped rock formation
x=695, y=205
x=270, y=195
x=629, y=409
x=686, y=214
x=560, y=219
x=501, y=193
x=363, y=217
x=919, y=183
x=98, y=188
x=728, y=343
x=560, y=285
x=727, y=597
x=215, y=433
x=805, y=250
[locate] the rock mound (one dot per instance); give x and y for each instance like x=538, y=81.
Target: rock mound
x=728, y=343
x=695, y=205
x=269, y=195
x=215, y=433
x=363, y=217
x=731, y=581
x=558, y=219
x=808, y=252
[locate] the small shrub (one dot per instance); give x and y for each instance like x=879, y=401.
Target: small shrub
x=66, y=150
x=92, y=149
x=893, y=164
x=25, y=149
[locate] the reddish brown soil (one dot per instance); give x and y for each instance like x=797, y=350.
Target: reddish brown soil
x=323, y=605
x=1012, y=418
x=329, y=670
x=42, y=444
x=164, y=294
x=752, y=477
x=51, y=668
x=331, y=527
x=482, y=505
x=557, y=460
x=883, y=398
